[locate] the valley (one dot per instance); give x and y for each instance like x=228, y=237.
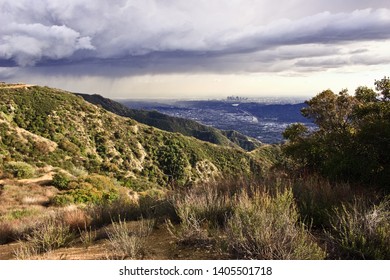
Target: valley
x=264, y=121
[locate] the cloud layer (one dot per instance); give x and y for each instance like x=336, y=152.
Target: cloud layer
x=129, y=37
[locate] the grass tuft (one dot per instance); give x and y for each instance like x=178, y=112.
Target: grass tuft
x=200, y=211
x=87, y=236
x=128, y=243
x=267, y=227
x=51, y=234
x=361, y=230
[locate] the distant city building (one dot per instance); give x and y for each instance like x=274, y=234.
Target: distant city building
x=236, y=98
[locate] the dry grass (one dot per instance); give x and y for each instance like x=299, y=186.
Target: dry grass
x=51, y=234
x=15, y=228
x=75, y=218
x=7, y=232
x=87, y=236
x=248, y=220
x=361, y=230
x=200, y=211
x=316, y=197
x=31, y=200
x=267, y=227
x=18, y=195
x=127, y=242
x=22, y=207
x=104, y=214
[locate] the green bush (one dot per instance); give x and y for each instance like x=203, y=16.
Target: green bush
x=63, y=199
x=266, y=227
x=68, y=146
x=20, y=170
x=197, y=212
x=139, y=185
x=90, y=189
x=172, y=161
x=361, y=231
x=61, y=180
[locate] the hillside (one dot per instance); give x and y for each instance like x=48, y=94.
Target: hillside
x=44, y=126
x=70, y=171
x=174, y=124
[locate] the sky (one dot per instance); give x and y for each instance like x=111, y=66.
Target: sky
x=195, y=48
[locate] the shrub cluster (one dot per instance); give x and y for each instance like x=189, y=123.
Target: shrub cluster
x=90, y=189
x=49, y=235
x=247, y=223
x=20, y=170
x=361, y=230
x=267, y=227
x=127, y=242
x=352, y=138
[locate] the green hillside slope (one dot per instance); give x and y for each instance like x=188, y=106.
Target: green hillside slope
x=44, y=126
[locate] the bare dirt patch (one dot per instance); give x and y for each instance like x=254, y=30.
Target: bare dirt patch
x=8, y=86
x=160, y=245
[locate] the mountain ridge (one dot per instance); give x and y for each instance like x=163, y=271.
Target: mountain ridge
x=175, y=124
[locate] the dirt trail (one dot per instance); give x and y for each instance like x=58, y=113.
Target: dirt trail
x=16, y=86
x=42, y=180
x=7, y=251
x=160, y=245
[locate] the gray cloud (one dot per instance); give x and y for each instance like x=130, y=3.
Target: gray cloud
x=136, y=37
x=358, y=57
x=7, y=72
x=29, y=44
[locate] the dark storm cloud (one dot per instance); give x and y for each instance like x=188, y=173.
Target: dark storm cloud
x=336, y=62
x=136, y=37
x=324, y=28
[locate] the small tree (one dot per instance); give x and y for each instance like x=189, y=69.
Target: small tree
x=329, y=111
x=172, y=161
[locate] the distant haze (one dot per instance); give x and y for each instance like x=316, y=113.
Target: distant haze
x=195, y=48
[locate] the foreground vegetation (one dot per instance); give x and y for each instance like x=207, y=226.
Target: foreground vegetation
x=273, y=218
x=68, y=183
